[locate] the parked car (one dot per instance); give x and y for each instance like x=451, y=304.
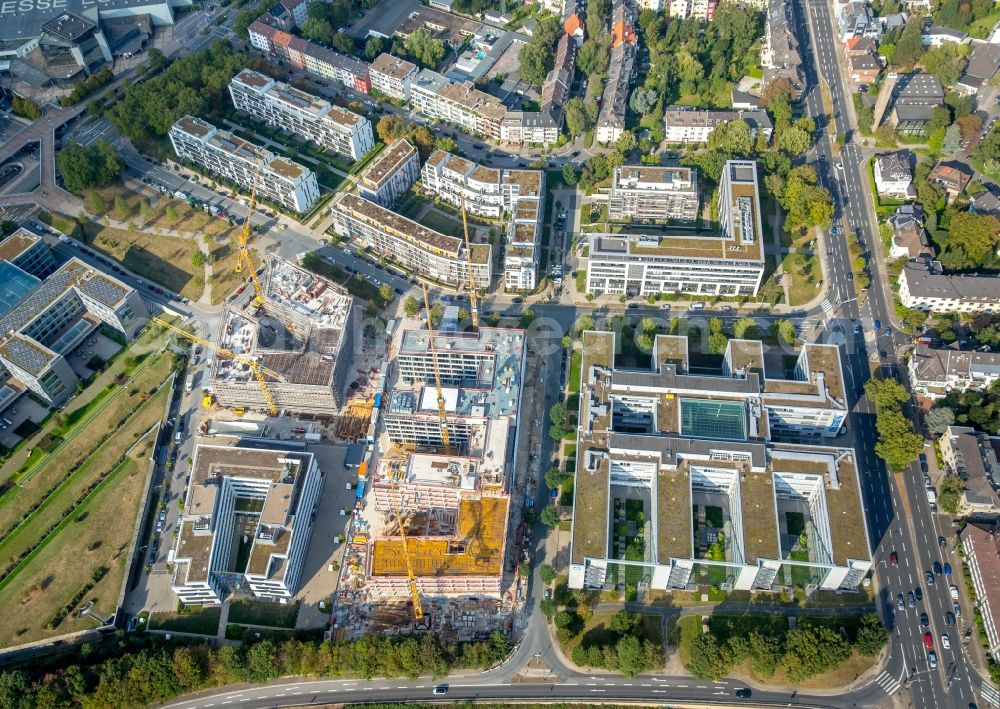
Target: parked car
x=928, y=641
x=954, y=592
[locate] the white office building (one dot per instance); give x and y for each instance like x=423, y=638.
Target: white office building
x=278, y=179
x=654, y=194
x=285, y=107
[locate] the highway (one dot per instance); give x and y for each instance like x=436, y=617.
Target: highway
x=898, y=514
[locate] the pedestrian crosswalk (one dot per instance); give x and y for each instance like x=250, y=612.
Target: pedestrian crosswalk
x=888, y=683
x=991, y=696
x=827, y=308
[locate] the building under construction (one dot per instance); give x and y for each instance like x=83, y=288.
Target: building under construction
x=302, y=331
x=446, y=494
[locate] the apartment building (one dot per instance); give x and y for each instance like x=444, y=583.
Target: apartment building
x=981, y=546
x=935, y=372
x=728, y=264
x=973, y=456
x=722, y=503
x=687, y=124
x=44, y=321
x=309, y=56
x=923, y=285
x=461, y=104
x=543, y=127
x=285, y=107
x=302, y=332
x=653, y=194
x=270, y=497
x=463, y=491
x=277, y=179
x=781, y=56
x=391, y=174
x=683, y=9
x=494, y=193
x=618, y=86
x=392, y=76
x=413, y=246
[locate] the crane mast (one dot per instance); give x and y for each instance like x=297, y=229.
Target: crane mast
x=442, y=413
x=418, y=610
x=259, y=371
x=473, y=299
x=244, y=239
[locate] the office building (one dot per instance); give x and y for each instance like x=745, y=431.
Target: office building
x=923, y=285
x=293, y=111
x=413, y=246
x=303, y=331
x=728, y=264
x=654, y=194
x=935, y=372
x=391, y=174
x=392, y=76
x=45, y=320
x=277, y=179
x=456, y=500
x=721, y=503
x=309, y=56
x=247, y=520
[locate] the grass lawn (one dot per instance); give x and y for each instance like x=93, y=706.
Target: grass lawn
x=437, y=221
x=53, y=468
x=198, y=620
x=275, y=615
x=982, y=27
x=804, y=278
x=60, y=222
x=162, y=259
x=225, y=278
x=96, y=536
x=56, y=506
x=575, y=363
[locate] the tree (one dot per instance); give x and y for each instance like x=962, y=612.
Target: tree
x=705, y=658
x=198, y=259
x=643, y=100
x=342, y=42
x=582, y=324
x=550, y=516
x=594, y=56
x=970, y=126
x=425, y=49
x=547, y=574
x=557, y=413
x=554, y=478
x=375, y=46
x=634, y=656
x=386, y=293
x=976, y=236
x=952, y=139
x=390, y=127
x=157, y=59
x=410, y=306
x=87, y=167
x=812, y=649
x=946, y=62
x=744, y=328
x=950, y=493
x=939, y=419
x=317, y=30
x=626, y=142
x=785, y=329
x=781, y=90
x=871, y=637
x=910, y=45
x=580, y=116
x=795, y=141
x=171, y=214
x=25, y=108
x=446, y=143
x=598, y=17
x=569, y=175
x=898, y=445
x=121, y=208
x=94, y=203
x=624, y=621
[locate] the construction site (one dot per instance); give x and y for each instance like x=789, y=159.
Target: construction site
x=429, y=544
x=299, y=331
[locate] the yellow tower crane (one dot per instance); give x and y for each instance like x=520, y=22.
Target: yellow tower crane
x=259, y=371
x=244, y=239
x=418, y=609
x=442, y=413
x=473, y=300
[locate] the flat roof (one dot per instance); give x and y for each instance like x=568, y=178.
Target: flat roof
x=759, y=513
x=393, y=67
x=673, y=515
x=617, y=246
x=387, y=163
x=24, y=20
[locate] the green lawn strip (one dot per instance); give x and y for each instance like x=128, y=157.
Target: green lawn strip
x=71, y=514
x=83, y=468
x=575, y=362
x=203, y=621
x=80, y=426
x=74, y=418
x=274, y=615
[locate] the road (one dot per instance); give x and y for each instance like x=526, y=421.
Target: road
x=898, y=514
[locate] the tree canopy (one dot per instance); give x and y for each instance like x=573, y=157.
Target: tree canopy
x=87, y=167
x=537, y=57
x=424, y=48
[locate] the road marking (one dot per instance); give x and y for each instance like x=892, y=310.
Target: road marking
x=598, y=690
x=888, y=683
x=659, y=691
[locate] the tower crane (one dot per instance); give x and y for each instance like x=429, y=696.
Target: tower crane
x=418, y=610
x=473, y=299
x=442, y=413
x=244, y=255
x=259, y=371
